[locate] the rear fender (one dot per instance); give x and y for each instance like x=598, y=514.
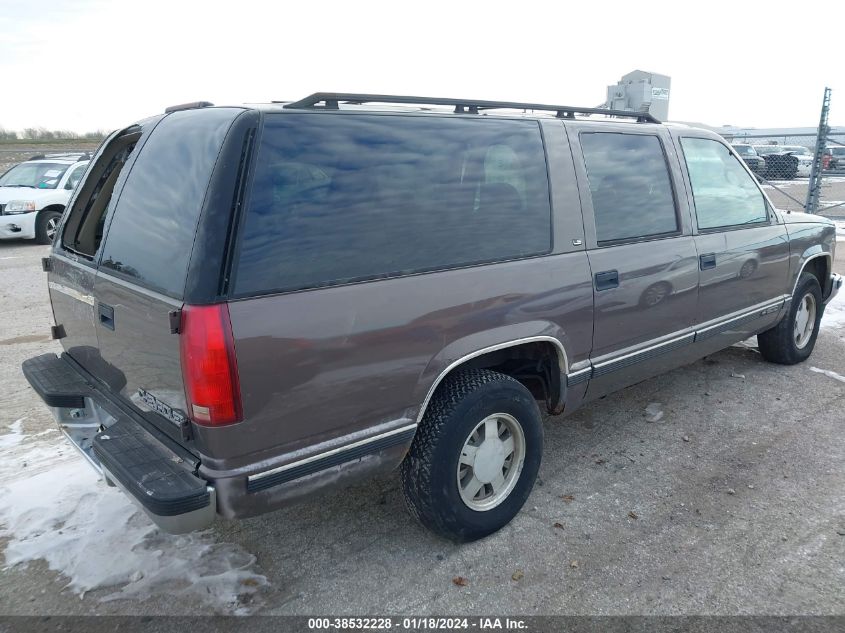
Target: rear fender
x=464, y=349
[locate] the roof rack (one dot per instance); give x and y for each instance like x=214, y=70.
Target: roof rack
x=188, y=106
x=331, y=101
x=78, y=155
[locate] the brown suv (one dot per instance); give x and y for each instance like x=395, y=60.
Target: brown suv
x=259, y=302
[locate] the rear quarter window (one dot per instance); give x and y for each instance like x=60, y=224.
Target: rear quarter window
x=340, y=198
x=154, y=224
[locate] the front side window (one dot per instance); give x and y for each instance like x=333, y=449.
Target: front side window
x=34, y=175
x=340, y=198
x=630, y=186
x=725, y=194
x=75, y=176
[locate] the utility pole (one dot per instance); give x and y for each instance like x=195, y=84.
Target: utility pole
x=815, y=185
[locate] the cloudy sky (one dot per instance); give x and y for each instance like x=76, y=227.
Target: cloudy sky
x=92, y=64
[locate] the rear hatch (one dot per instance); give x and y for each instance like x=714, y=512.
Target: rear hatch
x=119, y=272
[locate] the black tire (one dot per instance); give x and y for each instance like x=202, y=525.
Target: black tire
x=778, y=345
x=430, y=470
x=45, y=226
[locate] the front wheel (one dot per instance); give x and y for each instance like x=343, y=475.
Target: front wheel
x=792, y=340
x=475, y=457
x=46, y=226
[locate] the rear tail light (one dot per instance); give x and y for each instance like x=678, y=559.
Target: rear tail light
x=209, y=366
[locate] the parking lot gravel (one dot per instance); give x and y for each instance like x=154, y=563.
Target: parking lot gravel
x=718, y=488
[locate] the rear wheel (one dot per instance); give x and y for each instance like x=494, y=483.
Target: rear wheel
x=475, y=457
x=792, y=340
x=46, y=226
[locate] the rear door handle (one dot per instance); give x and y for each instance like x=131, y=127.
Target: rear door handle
x=607, y=280
x=707, y=261
x=106, y=313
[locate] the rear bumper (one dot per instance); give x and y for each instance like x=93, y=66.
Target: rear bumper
x=127, y=453
x=180, y=491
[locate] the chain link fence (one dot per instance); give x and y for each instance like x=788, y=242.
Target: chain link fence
x=801, y=171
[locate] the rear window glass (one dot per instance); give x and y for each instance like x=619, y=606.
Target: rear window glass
x=152, y=233
x=630, y=186
x=339, y=198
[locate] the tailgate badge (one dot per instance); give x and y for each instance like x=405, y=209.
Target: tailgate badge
x=174, y=415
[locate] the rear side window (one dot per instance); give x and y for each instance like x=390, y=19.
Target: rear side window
x=630, y=186
x=339, y=198
x=152, y=233
x=83, y=229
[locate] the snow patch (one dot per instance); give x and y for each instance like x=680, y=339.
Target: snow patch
x=834, y=312
x=654, y=412
x=749, y=343
x=829, y=374
x=53, y=507
x=14, y=436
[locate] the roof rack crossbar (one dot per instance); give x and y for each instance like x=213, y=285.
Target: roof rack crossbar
x=80, y=156
x=331, y=101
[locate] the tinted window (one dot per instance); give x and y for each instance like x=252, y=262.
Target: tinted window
x=724, y=193
x=630, y=186
x=338, y=198
x=152, y=234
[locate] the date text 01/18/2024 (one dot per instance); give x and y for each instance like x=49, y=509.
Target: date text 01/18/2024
x=418, y=623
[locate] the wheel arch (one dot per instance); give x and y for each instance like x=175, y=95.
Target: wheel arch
x=820, y=264
x=540, y=361
x=52, y=207
x=58, y=208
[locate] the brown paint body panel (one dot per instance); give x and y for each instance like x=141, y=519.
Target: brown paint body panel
x=335, y=360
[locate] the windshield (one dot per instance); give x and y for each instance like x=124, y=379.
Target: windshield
x=769, y=149
x=745, y=150
x=797, y=149
x=34, y=175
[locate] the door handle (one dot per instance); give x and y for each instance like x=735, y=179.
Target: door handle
x=607, y=280
x=106, y=313
x=707, y=261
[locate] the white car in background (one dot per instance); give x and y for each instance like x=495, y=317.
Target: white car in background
x=33, y=195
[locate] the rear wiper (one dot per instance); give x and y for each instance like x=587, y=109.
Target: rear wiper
x=30, y=186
